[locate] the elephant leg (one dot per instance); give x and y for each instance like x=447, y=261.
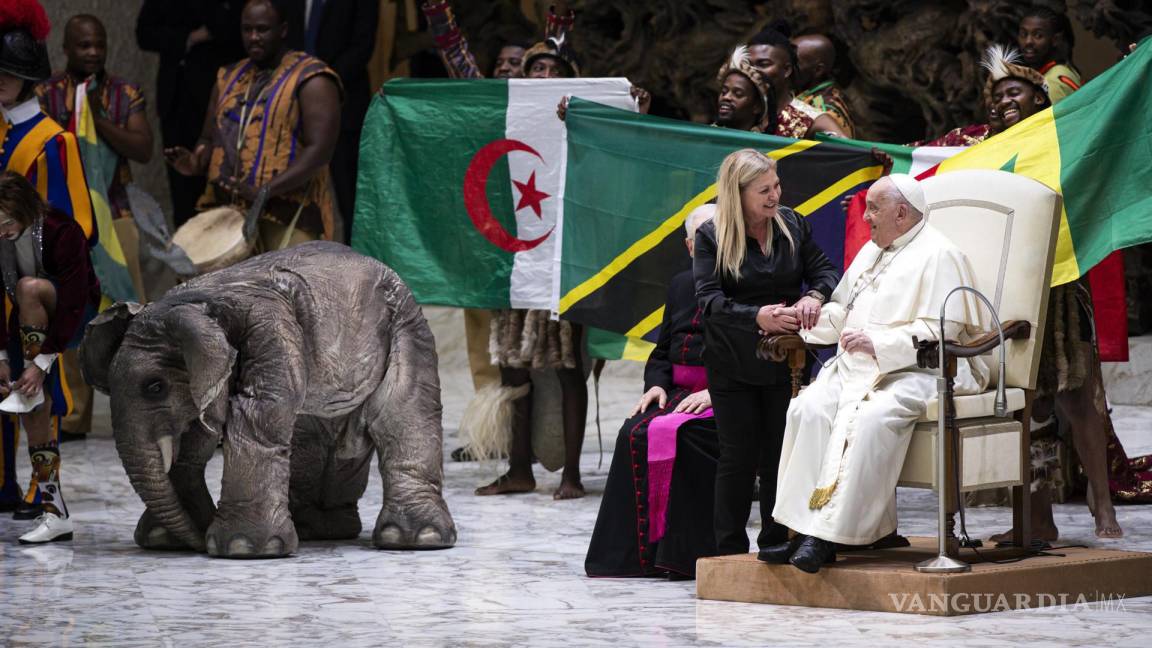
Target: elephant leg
x=328, y=477
x=254, y=519
x=403, y=418
x=187, y=477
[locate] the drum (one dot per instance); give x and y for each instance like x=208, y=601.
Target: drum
x=214, y=239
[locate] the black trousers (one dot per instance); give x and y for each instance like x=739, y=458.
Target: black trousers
x=750, y=423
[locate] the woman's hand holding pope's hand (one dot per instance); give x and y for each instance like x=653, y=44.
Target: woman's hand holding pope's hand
x=777, y=320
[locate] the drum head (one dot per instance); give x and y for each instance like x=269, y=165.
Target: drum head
x=214, y=239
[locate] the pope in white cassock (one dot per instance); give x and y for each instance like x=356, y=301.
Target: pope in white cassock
x=848, y=432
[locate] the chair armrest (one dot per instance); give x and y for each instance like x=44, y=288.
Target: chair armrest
x=791, y=349
x=928, y=355
x=777, y=347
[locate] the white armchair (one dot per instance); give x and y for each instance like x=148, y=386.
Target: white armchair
x=1007, y=226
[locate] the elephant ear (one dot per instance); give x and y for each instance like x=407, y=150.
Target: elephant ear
x=209, y=359
x=102, y=338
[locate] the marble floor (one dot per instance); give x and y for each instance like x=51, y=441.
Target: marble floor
x=515, y=577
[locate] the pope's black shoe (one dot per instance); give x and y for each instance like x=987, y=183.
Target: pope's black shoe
x=812, y=554
x=779, y=554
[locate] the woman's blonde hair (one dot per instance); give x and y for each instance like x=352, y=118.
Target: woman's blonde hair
x=737, y=171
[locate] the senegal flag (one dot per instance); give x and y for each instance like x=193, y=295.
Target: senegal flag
x=632, y=180
x=1094, y=148
x=461, y=182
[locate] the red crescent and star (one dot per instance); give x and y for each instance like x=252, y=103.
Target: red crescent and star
x=476, y=195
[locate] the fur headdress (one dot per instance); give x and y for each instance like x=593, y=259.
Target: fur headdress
x=741, y=63
x=554, y=47
x=1005, y=63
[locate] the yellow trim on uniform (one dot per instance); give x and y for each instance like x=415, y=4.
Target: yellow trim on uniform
x=78, y=186
x=31, y=146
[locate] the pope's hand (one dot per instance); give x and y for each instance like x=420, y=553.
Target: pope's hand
x=856, y=341
x=654, y=395
x=777, y=320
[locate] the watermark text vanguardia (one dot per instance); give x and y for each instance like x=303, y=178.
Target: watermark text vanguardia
x=966, y=602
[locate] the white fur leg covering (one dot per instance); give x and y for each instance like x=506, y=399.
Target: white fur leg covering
x=487, y=420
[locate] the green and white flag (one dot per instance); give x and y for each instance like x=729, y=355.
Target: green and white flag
x=461, y=182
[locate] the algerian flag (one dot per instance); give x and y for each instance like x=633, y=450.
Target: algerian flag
x=460, y=185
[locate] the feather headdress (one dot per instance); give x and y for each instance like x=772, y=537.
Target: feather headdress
x=1005, y=62
x=741, y=62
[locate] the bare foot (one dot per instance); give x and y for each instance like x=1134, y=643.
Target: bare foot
x=569, y=490
x=1047, y=534
x=507, y=483
x=1107, y=527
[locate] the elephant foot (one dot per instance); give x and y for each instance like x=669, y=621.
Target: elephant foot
x=333, y=524
x=239, y=538
x=151, y=535
x=426, y=525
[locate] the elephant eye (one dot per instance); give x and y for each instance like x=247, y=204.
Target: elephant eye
x=155, y=388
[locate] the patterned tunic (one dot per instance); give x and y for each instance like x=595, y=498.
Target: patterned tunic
x=827, y=98
x=794, y=121
x=257, y=132
x=970, y=135
x=121, y=100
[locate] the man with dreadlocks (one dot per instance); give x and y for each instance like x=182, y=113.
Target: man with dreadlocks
x=1046, y=41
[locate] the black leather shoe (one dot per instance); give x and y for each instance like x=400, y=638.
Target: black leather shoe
x=780, y=553
x=26, y=511
x=812, y=554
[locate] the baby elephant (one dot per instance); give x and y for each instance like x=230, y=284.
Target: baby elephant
x=304, y=361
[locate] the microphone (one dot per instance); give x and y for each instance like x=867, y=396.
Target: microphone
x=1000, y=407
x=1000, y=404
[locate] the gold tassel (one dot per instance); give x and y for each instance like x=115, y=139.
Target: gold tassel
x=821, y=496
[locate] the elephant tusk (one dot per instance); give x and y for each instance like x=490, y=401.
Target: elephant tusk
x=165, y=443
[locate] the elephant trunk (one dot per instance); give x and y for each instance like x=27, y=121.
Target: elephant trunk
x=146, y=470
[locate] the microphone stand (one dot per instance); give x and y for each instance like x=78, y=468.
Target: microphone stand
x=943, y=563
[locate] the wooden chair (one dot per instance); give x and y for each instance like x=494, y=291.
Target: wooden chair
x=1007, y=226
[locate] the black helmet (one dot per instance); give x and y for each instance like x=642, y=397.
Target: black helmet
x=23, y=56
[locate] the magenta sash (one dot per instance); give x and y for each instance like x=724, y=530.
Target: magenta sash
x=662, y=448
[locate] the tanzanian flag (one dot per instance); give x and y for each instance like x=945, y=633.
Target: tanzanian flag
x=631, y=181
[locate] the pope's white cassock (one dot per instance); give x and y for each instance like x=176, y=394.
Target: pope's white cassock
x=849, y=430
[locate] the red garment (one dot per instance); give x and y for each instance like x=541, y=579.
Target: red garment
x=793, y=122
x=1110, y=307
x=67, y=264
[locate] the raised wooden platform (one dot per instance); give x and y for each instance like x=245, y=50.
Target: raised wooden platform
x=885, y=581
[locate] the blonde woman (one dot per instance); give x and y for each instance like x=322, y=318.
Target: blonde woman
x=757, y=271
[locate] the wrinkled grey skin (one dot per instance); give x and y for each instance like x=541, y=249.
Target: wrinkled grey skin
x=305, y=361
